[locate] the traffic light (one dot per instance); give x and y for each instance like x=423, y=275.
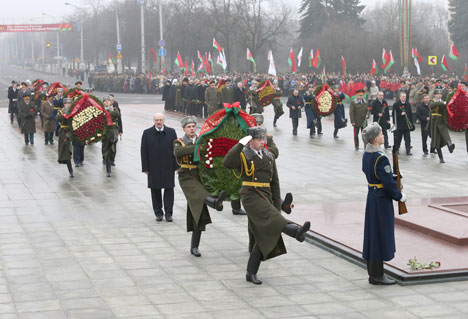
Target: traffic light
x=48, y=44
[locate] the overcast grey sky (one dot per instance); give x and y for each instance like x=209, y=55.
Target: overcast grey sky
x=23, y=11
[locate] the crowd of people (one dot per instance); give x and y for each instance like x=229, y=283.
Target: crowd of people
x=49, y=108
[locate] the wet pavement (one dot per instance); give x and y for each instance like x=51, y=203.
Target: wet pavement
x=89, y=247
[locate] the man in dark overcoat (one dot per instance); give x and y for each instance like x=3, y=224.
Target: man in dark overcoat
x=379, y=224
x=381, y=115
x=295, y=104
x=13, y=98
x=159, y=163
x=403, y=120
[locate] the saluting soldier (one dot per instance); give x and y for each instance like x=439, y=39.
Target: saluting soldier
x=379, y=225
x=277, y=105
x=261, y=197
x=65, y=136
x=110, y=138
x=439, y=126
x=381, y=115
x=358, y=115
x=197, y=197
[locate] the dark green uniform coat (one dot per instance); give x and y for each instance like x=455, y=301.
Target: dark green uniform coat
x=189, y=180
x=358, y=113
x=27, y=114
x=263, y=204
x=111, y=137
x=64, y=139
x=439, y=124
x=212, y=99
x=277, y=105
x=227, y=95
x=255, y=106
x=46, y=111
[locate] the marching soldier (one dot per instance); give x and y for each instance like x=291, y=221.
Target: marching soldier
x=47, y=108
x=439, y=126
x=277, y=105
x=358, y=114
x=65, y=136
x=197, y=197
x=112, y=133
x=379, y=225
x=381, y=115
x=261, y=197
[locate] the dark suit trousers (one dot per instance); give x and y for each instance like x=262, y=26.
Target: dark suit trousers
x=158, y=201
x=398, y=135
x=356, y=135
x=424, y=135
x=295, y=124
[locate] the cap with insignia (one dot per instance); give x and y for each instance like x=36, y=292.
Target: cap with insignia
x=257, y=132
x=258, y=118
x=360, y=92
x=67, y=100
x=24, y=83
x=60, y=90
x=78, y=82
x=438, y=91
x=371, y=132
x=27, y=95
x=187, y=120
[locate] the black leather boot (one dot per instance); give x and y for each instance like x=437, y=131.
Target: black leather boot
x=441, y=156
x=376, y=276
x=70, y=168
x=297, y=231
x=196, y=235
x=216, y=202
x=450, y=146
x=252, y=267
x=108, y=168
x=286, y=204
x=236, y=208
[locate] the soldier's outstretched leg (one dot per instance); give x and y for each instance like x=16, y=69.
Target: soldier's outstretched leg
x=252, y=266
x=236, y=207
x=286, y=204
x=70, y=168
x=441, y=156
x=450, y=146
x=196, y=235
x=296, y=231
x=108, y=168
x=216, y=202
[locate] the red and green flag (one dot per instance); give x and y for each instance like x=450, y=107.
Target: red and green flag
x=322, y=77
x=343, y=66
x=193, y=69
x=210, y=60
x=317, y=60
x=444, y=63
x=251, y=59
x=389, y=62
x=311, y=57
x=453, y=52
x=178, y=61
x=186, y=68
x=465, y=74
x=216, y=45
x=384, y=58
x=292, y=61
x=417, y=55
x=374, y=69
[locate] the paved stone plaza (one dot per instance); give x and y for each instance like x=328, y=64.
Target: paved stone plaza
x=89, y=247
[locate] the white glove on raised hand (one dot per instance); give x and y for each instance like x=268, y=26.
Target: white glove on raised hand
x=403, y=197
x=245, y=140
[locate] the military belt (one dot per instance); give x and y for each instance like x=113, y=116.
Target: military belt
x=308, y=102
x=376, y=185
x=255, y=184
x=436, y=114
x=188, y=166
x=64, y=126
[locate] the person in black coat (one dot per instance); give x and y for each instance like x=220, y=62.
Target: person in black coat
x=13, y=98
x=423, y=114
x=340, y=120
x=403, y=121
x=381, y=115
x=295, y=104
x=166, y=96
x=240, y=95
x=159, y=163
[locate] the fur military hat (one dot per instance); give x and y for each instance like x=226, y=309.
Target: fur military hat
x=371, y=132
x=67, y=100
x=257, y=132
x=258, y=118
x=105, y=98
x=187, y=120
x=60, y=90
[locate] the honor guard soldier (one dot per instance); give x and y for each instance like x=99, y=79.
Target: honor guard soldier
x=379, y=225
x=65, y=136
x=197, y=197
x=111, y=136
x=277, y=105
x=261, y=197
x=439, y=126
x=358, y=115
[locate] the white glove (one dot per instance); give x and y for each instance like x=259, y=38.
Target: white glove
x=403, y=198
x=245, y=140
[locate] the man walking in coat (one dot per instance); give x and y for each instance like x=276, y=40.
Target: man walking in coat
x=403, y=121
x=295, y=104
x=159, y=163
x=381, y=115
x=358, y=115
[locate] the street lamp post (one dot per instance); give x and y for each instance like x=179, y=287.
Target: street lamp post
x=81, y=33
x=142, y=13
